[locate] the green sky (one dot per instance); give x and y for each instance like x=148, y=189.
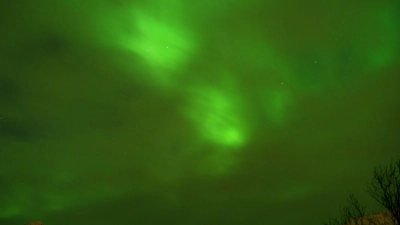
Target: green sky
x=239, y=112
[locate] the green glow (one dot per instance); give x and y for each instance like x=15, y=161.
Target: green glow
x=217, y=116
x=127, y=112
x=386, y=44
x=15, y=203
x=378, y=37
x=10, y=210
x=160, y=44
x=220, y=162
x=57, y=202
x=275, y=105
x=165, y=47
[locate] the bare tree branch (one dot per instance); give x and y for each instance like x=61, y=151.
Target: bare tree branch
x=385, y=188
x=354, y=211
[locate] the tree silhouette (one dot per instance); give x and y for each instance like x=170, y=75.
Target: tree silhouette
x=354, y=211
x=385, y=189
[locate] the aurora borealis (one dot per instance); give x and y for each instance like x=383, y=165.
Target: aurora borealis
x=231, y=112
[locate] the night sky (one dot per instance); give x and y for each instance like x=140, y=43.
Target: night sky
x=230, y=112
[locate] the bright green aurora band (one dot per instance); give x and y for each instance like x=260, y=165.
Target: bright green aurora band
x=236, y=71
